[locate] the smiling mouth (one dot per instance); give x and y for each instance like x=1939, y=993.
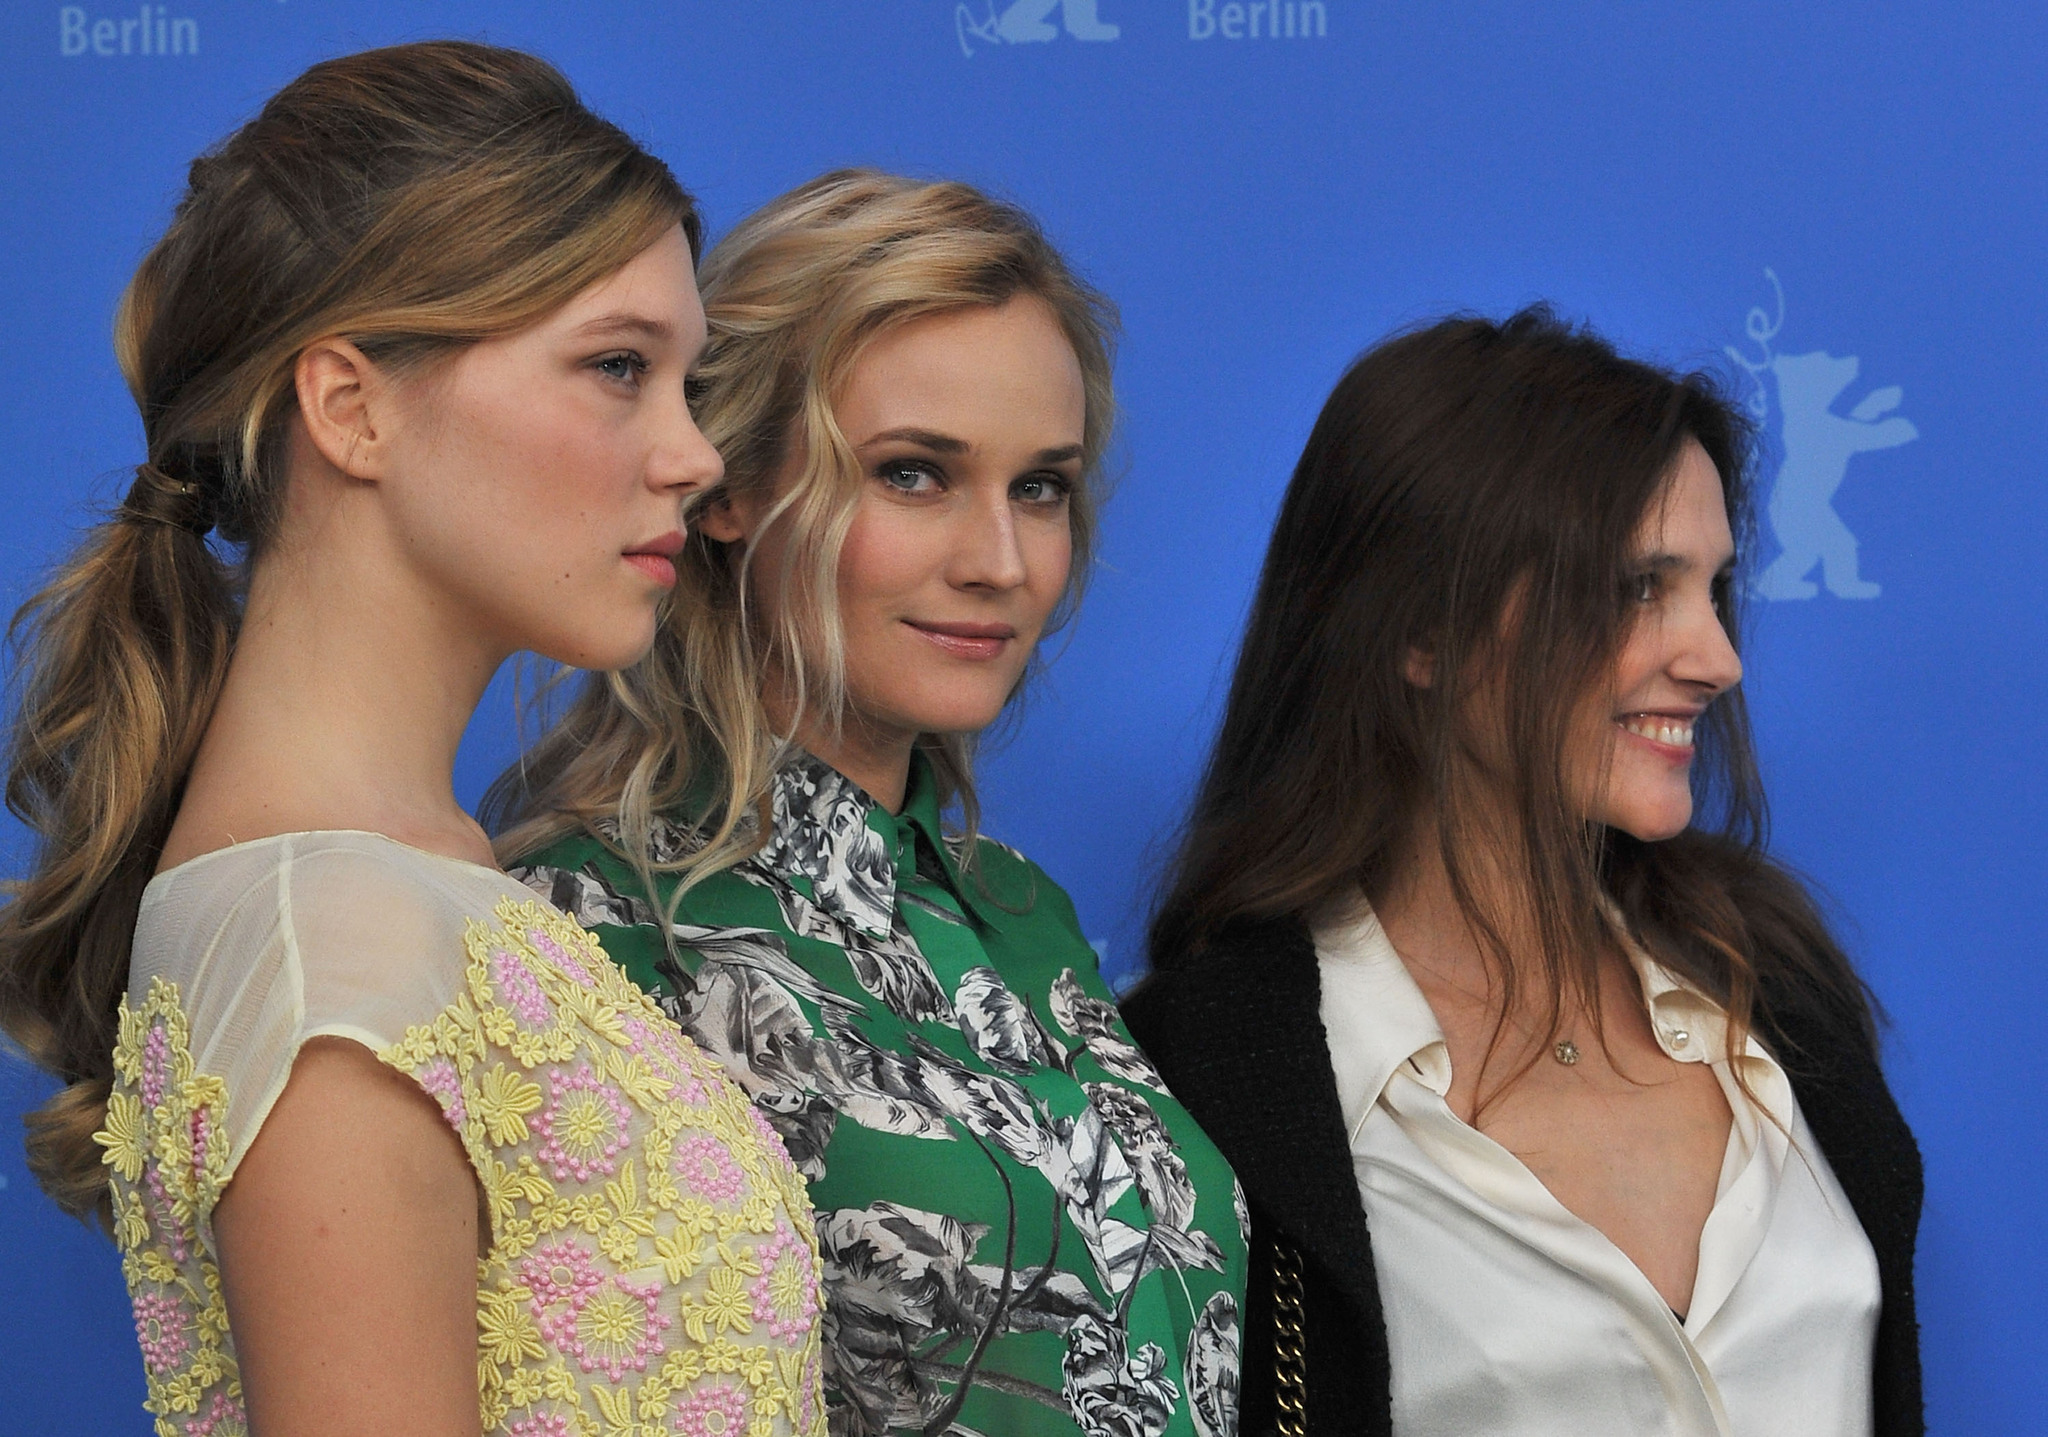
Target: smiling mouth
x=1660, y=728
x=966, y=641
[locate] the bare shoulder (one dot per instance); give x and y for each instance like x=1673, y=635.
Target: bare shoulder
x=348, y=1242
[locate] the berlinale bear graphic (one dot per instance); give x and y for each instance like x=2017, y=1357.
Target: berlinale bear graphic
x=1024, y=23
x=1818, y=445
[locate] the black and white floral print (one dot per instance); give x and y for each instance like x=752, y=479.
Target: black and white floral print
x=1212, y=1367
x=821, y=833
x=918, y=1292
x=1096, y=1023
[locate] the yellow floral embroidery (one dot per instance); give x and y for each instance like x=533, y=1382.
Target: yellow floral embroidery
x=650, y=1240
x=168, y=1156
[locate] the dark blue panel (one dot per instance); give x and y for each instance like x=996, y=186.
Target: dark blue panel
x=1262, y=209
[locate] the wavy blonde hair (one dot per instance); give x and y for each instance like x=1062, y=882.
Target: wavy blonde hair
x=412, y=200
x=793, y=296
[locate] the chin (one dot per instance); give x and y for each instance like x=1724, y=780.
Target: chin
x=964, y=717
x=618, y=647
x=1653, y=825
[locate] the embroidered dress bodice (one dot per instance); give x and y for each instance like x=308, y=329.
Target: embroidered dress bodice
x=651, y=1262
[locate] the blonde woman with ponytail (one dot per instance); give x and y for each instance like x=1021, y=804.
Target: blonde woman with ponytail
x=1023, y=1232
x=387, y=1145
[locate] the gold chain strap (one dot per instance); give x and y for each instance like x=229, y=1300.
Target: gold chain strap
x=1290, y=1350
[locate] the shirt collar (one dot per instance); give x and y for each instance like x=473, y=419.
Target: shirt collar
x=850, y=849
x=1374, y=1017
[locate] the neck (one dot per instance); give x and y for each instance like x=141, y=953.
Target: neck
x=875, y=756
x=344, y=705
x=1434, y=931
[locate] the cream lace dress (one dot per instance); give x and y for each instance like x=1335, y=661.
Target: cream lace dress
x=651, y=1265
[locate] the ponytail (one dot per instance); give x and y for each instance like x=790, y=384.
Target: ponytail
x=121, y=660
x=413, y=200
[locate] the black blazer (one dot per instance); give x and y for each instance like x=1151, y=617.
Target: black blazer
x=1238, y=1034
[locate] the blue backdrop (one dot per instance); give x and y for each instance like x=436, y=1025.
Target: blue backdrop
x=1849, y=199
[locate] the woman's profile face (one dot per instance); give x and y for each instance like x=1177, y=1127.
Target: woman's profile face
x=968, y=429
x=1637, y=749
x=546, y=469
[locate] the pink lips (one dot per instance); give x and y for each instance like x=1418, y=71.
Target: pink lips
x=656, y=558
x=966, y=641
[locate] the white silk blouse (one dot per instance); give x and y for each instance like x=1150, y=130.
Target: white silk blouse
x=1507, y=1314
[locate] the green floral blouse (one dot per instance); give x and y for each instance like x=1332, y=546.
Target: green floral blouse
x=1023, y=1233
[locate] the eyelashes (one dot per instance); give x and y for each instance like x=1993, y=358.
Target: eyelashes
x=625, y=367
x=919, y=477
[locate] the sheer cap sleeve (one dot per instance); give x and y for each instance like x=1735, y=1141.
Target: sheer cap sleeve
x=271, y=944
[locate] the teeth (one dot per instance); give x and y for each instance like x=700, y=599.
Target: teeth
x=1660, y=730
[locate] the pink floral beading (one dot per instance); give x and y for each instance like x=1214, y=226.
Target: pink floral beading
x=584, y=1125
x=561, y=957
x=202, y=1136
x=521, y=990
x=703, y=1163
x=809, y=1390
x=601, y=1321
x=717, y=1411
x=155, y=1062
x=765, y=1131
x=620, y=1327
x=786, y=1293
x=444, y=1084
x=224, y=1418
x=160, y=1329
x=658, y=1040
x=559, y=1272
x=551, y=1424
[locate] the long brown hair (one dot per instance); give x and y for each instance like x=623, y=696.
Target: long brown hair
x=793, y=297
x=412, y=200
x=1455, y=471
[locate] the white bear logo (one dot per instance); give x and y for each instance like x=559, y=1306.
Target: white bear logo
x=1024, y=23
x=1818, y=445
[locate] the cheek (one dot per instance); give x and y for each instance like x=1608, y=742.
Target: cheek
x=1641, y=659
x=1049, y=559
x=884, y=560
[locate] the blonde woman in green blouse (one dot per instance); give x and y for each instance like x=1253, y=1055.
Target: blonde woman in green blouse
x=1023, y=1233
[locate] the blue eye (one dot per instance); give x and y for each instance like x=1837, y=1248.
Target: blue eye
x=1041, y=489
x=626, y=368
x=906, y=477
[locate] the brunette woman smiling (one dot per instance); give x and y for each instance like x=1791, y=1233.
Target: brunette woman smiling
x=1023, y=1233
x=1558, y=1107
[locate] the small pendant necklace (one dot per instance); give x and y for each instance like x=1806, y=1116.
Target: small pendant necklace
x=1566, y=1052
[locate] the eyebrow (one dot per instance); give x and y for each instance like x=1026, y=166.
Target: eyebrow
x=1662, y=563
x=623, y=322
x=923, y=438
x=946, y=444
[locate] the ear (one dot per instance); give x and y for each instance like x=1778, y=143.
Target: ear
x=1418, y=666
x=347, y=405
x=718, y=517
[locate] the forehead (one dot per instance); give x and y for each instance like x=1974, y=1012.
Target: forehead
x=992, y=366
x=1689, y=517
x=657, y=286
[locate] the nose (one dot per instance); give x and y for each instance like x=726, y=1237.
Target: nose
x=986, y=552
x=682, y=460
x=1706, y=656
